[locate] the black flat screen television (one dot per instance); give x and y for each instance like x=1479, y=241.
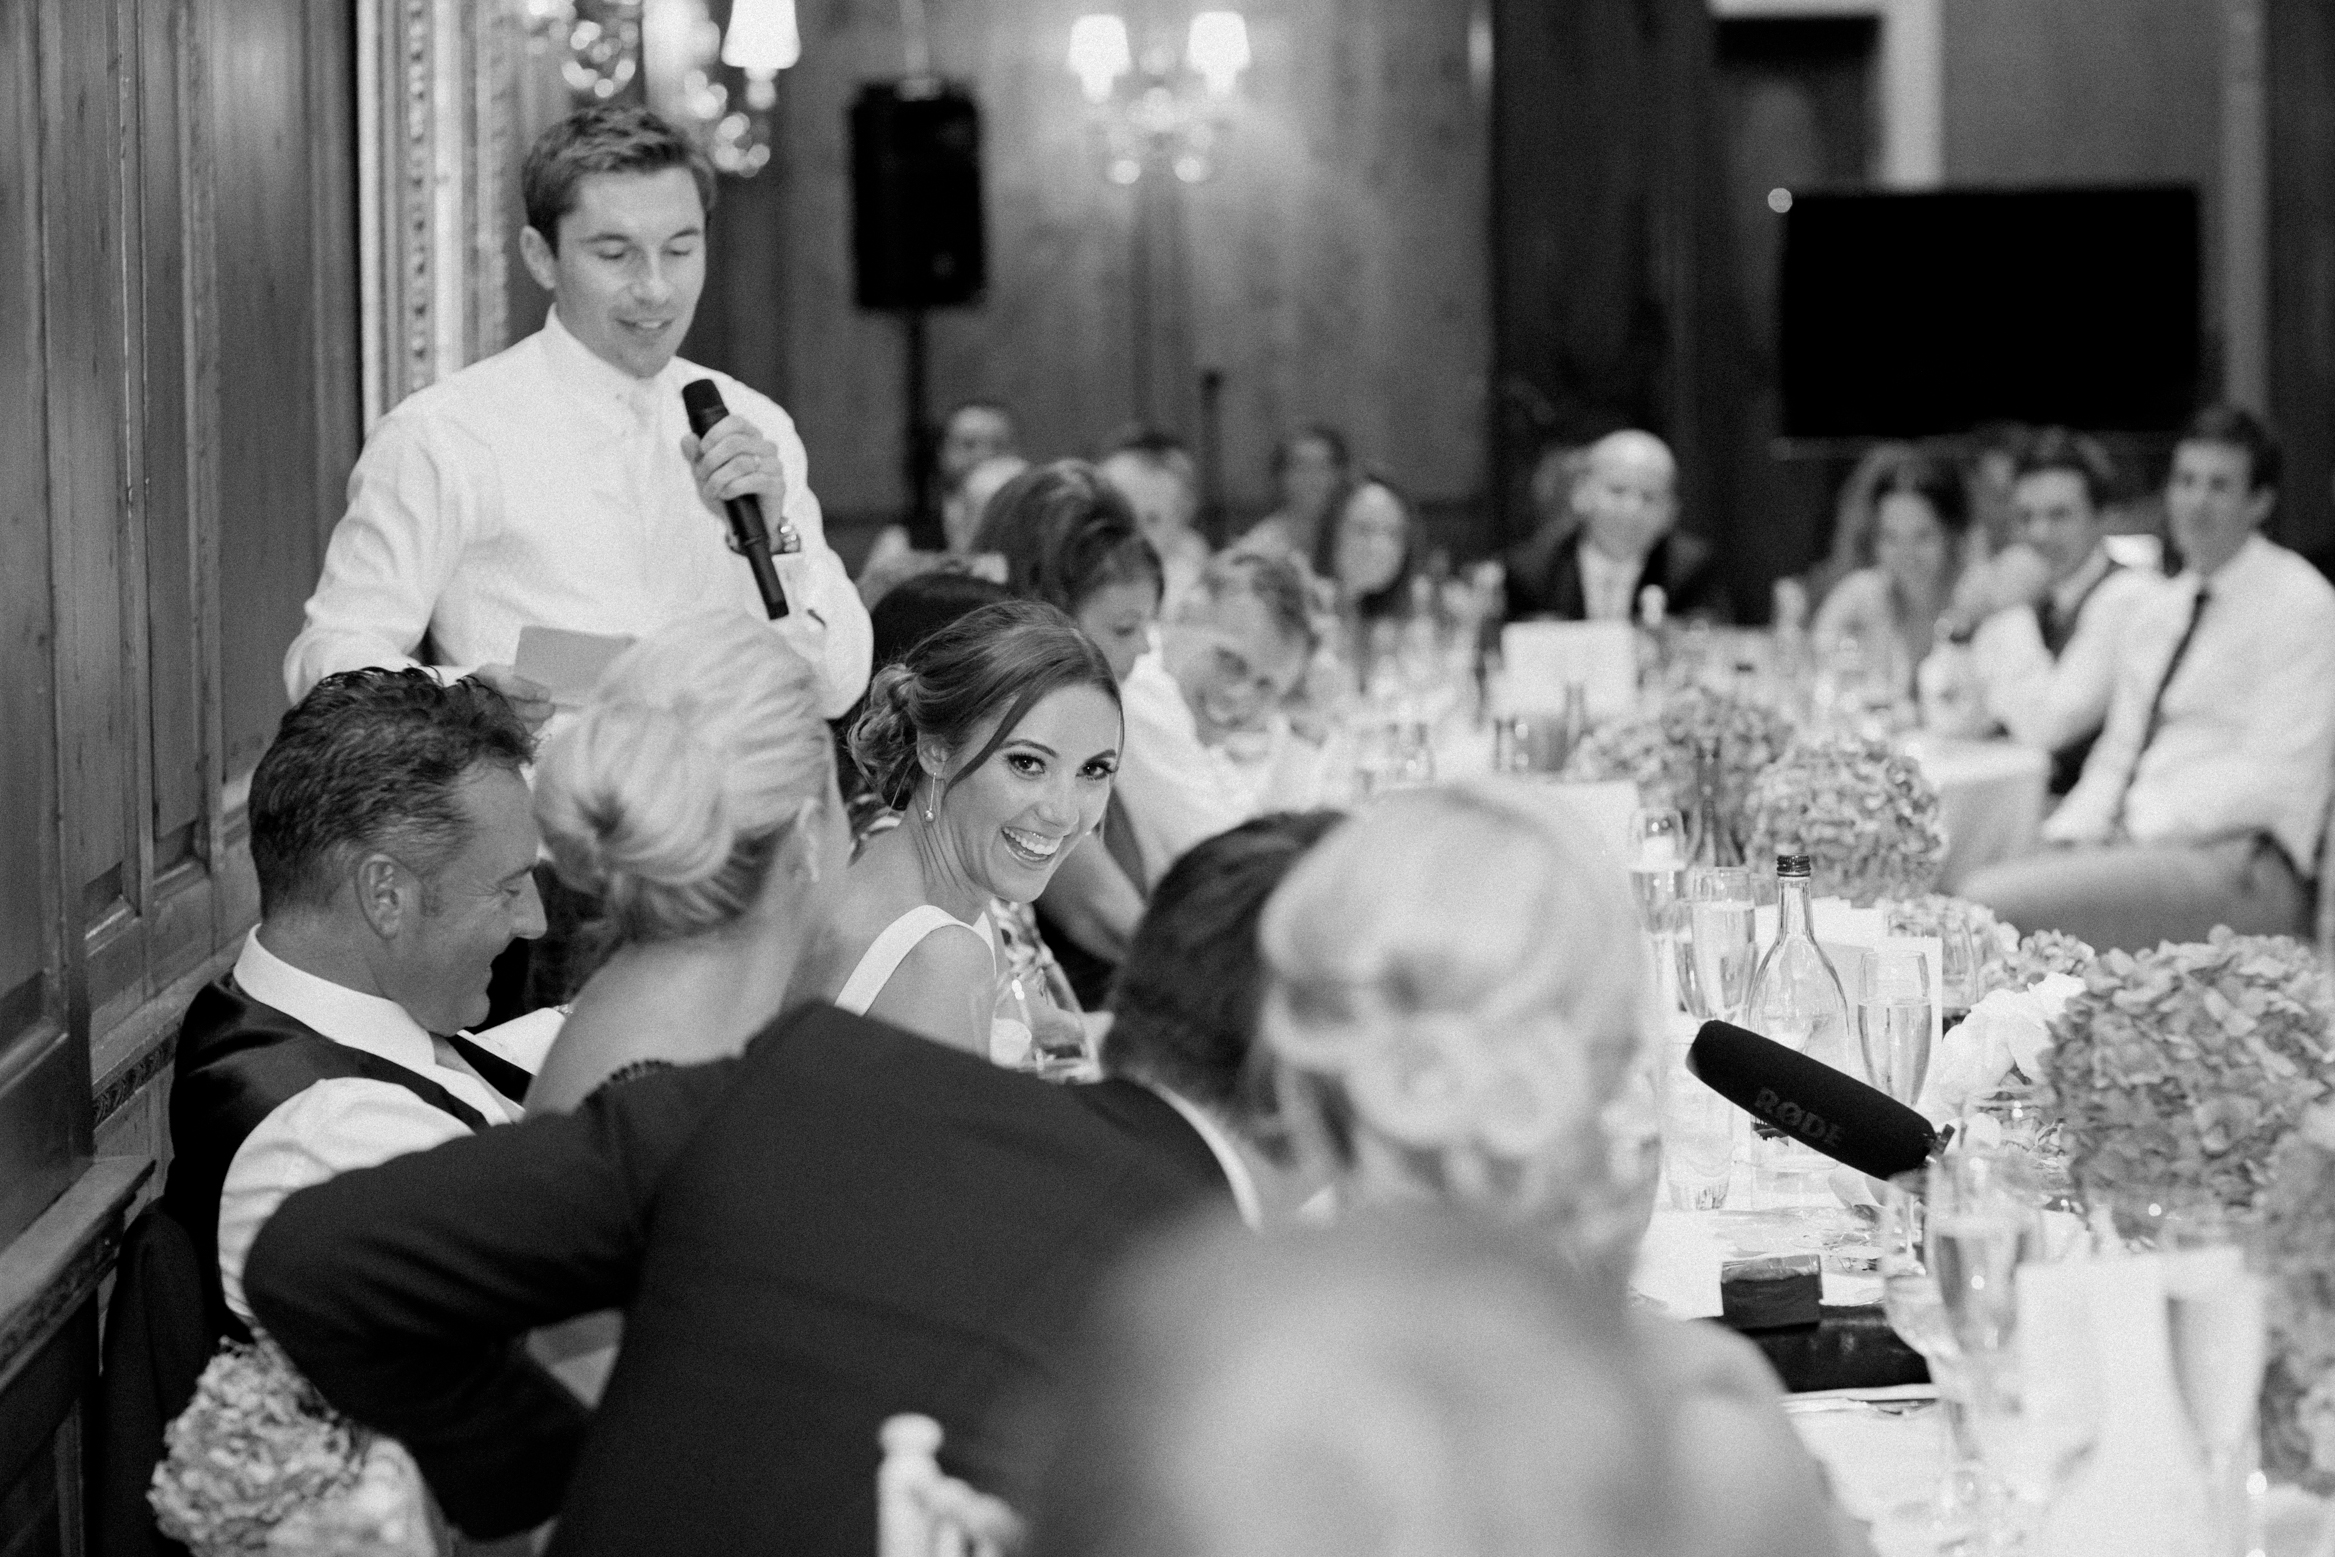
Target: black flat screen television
x=1903, y=315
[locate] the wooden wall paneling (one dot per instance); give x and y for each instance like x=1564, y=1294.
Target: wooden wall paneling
x=30, y=937
x=332, y=210
x=271, y=528
x=174, y=679
x=82, y=277
x=2301, y=53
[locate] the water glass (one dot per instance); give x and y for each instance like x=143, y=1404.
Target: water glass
x=1029, y=1032
x=1982, y=1227
x=1910, y=1300
x=1655, y=847
x=1893, y=1019
x=1698, y=1140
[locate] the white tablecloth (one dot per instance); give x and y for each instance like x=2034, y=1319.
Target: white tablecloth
x=1990, y=799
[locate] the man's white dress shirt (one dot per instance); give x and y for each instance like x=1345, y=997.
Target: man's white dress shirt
x=2052, y=703
x=2245, y=740
x=1174, y=793
x=1609, y=589
x=545, y=486
x=1229, y=1161
x=343, y=1122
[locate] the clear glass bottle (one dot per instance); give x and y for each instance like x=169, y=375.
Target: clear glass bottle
x=1573, y=728
x=1796, y=996
x=1714, y=838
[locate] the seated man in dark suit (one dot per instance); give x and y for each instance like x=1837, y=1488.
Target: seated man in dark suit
x=846, y=1223
x=395, y=842
x=1590, y=560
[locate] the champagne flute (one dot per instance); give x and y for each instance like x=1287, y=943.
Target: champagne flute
x=1981, y=1228
x=1656, y=851
x=1893, y=1019
x=1698, y=1139
x=2215, y=1300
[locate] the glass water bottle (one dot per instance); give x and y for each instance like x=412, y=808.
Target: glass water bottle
x=1796, y=996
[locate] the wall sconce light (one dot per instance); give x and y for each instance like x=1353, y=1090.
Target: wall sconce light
x=1161, y=109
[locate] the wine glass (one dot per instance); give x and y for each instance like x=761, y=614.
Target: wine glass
x=1655, y=848
x=1893, y=1019
x=1029, y=1032
x=2215, y=1297
x=1720, y=949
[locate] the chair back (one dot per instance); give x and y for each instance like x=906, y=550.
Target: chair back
x=158, y=1336
x=922, y=1511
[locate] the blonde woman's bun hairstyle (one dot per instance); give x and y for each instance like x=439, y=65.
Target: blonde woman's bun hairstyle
x=1456, y=971
x=666, y=796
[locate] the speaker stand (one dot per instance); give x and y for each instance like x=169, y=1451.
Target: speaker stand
x=920, y=449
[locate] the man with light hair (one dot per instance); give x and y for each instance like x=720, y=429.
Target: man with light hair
x=1590, y=560
x=1235, y=649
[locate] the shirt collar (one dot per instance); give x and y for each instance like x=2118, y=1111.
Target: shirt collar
x=2069, y=592
x=2242, y=561
x=585, y=371
x=1228, y=1158
x=368, y=1022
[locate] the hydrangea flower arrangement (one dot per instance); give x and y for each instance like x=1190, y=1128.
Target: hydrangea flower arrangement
x=2298, y=1391
x=2181, y=1070
x=1864, y=815
x=258, y=1449
x=1656, y=751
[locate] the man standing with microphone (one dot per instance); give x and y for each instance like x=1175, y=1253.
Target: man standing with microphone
x=558, y=483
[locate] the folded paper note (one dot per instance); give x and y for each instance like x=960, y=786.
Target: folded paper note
x=569, y=663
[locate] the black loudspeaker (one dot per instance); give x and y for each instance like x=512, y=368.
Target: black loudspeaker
x=916, y=229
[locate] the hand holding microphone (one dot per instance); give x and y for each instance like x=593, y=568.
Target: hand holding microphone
x=737, y=470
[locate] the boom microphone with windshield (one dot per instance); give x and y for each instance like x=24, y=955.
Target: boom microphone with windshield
x=1809, y=1101
x=749, y=536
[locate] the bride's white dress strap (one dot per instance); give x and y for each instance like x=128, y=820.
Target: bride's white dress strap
x=885, y=954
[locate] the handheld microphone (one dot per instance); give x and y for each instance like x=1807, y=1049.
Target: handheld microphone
x=1810, y=1101
x=749, y=536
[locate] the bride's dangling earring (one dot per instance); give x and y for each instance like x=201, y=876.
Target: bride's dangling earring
x=928, y=805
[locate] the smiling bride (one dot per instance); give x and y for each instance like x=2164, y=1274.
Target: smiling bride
x=995, y=740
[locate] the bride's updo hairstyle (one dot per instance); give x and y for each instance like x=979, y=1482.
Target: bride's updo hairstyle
x=996, y=663
x=1455, y=973
x=667, y=796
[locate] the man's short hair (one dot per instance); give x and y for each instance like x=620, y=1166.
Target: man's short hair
x=2239, y=428
x=1186, y=1004
x=372, y=759
x=1157, y=448
x=603, y=138
x=1277, y=581
x=2058, y=448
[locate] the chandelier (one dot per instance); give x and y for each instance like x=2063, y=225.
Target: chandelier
x=721, y=88
x=1163, y=109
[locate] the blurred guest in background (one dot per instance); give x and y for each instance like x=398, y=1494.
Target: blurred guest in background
x=1890, y=607
x=1369, y=551
x=1455, y=1011
x=1070, y=538
x=694, y=799
x=1237, y=646
x=1591, y=557
x=2045, y=665
x=557, y=483
x=1311, y=469
x=1155, y=472
x=891, y=562
x=2203, y=801
x=996, y=739
x=1404, y=1384
x=1991, y=475
x=1852, y=518
x=976, y=432
x=395, y=848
